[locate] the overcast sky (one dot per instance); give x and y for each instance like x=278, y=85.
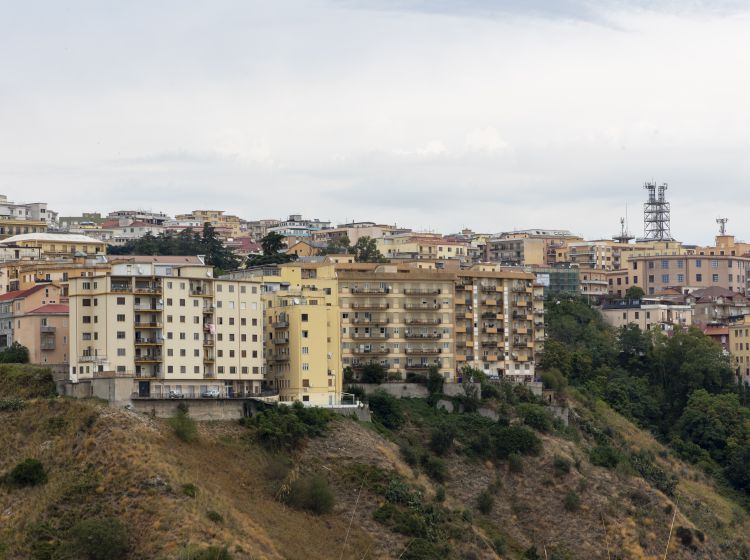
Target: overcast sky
x=434, y=114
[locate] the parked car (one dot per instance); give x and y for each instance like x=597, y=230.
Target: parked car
x=175, y=395
x=210, y=394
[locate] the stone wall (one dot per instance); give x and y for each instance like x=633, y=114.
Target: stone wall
x=410, y=390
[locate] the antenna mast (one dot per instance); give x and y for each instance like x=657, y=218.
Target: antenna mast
x=656, y=219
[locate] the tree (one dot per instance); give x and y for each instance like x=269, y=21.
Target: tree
x=365, y=250
x=373, y=373
x=217, y=255
x=634, y=292
x=337, y=246
x=273, y=245
x=15, y=354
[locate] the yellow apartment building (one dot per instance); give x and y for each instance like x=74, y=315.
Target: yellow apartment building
x=411, y=246
x=303, y=347
x=58, y=244
x=409, y=319
x=172, y=326
x=739, y=349
x=217, y=218
x=11, y=226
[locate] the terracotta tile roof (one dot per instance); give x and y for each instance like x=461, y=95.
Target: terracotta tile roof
x=51, y=309
x=716, y=331
x=9, y=296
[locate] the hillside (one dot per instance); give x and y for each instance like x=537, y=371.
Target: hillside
x=176, y=498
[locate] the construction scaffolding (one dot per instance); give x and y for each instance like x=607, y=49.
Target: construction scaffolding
x=656, y=214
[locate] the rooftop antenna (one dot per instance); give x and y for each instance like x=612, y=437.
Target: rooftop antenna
x=624, y=236
x=722, y=225
x=656, y=218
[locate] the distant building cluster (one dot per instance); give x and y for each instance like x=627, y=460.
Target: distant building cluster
x=299, y=327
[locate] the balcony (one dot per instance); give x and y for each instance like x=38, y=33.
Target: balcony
x=147, y=325
x=490, y=289
x=148, y=342
x=281, y=325
x=369, y=291
x=422, y=306
x=490, y=302
x=208, y=308
x=148, y=289
x=47, y=344
x=412, y=321
x=148, y=359
x=93, y=359
x=208, y=358
x=367, y=305
x=490, y=358
x=369, y=321
x=200, y=291
x=521, y=303
x=424, y=336
x=377, y=335
x=154, y=308
x=422, y=365
x=522, y=330
x=491, y=342
x=422, y=291
x=208, y=341
x=47, y=329
x=460, y=329
x=371, y=352
x=423, y=351
x=281, y=341
x=490, y=330
x=121, y=288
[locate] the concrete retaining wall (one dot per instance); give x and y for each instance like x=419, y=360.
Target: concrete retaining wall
x=411, y=390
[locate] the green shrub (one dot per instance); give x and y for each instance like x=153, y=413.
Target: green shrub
x=184, y=427
x=553, y=379
x=358, y=392
x=311, y=493
x=644, y=465
x=422, y=549
x=535, y=416
x=409, y=455
x=485, y=502
x=394, y=376
x=684, y=535
x=516, y=439
x=440, y=494
x=435, y=381
x=373, y=373
x=413, y=377
x=11, y=405
x=99, y=539
x=386, y=410
x=605, y=456
x=29, y=472
x=561, y=465
x=435, y=468
x=572, y=501
x=515, y=463
x=21, y=381
x=399, y=492
x=500, y=545
x=215, y=516
x=190, y=490
x=441, y=440
x=287, y=427
x=15, y=354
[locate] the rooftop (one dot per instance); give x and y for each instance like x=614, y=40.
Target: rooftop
x=51, y=309
x=50, y=237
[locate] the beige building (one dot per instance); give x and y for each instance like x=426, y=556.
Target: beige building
x=170, y=324
x=24, y=274
x=225, y=224
x=411, y=246
x=58, y=244
x=648, y=314
x=739, y=349
x=44, y=331
x=530, y=247
x=303, y=347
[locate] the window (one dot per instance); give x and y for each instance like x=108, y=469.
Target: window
x=121, y=351
x=714, y=264
x=651, y=264
x=169, y=301
x=698, y=263
x=680, y=278
x=86, y=319
x=680, y=264
x=196, y=369
x=121, y=318
x=305, y=350
x=714, y=278
x=305, y=367
x=699, y=278
x=305, y=382
x=182, y=336
x=665, y=264
x=182, y=303
x=121, y=334
x=304, y=317
x=305, y=334
x=120, y=301
x=182, y=318
x=183, y=369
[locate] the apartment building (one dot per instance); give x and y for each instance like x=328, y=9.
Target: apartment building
x=225, y=225
x=16, y=219
x=168, y=323
x=354, y=230
x=36, y=318
x=529, y=247
x=303, y=347
x=27, y=273
x=647, y=314
x=410, y=318
x=656, y=273
x=739, y=349
x=420, y=246
x=58, y=244
x=258, y=229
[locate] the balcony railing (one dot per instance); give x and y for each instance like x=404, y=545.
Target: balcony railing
x=369, y=291
x=281, y=324
x=423, y=351
x=371, y=352
x=426, y=306
x=148, y=341
x=281, y=341
x=93, y=359
x=360, y=305
x=422, y=321
x=378, y=335
x=152, y=289
x=422, y=291
x=47, y=344
x=149, y=308
x=47, y=329
x=208, y=341
x=422, y=365
x=146, y=358
x=427, y=336
x=489, y=289
x=370, y=321
x=147, y=324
